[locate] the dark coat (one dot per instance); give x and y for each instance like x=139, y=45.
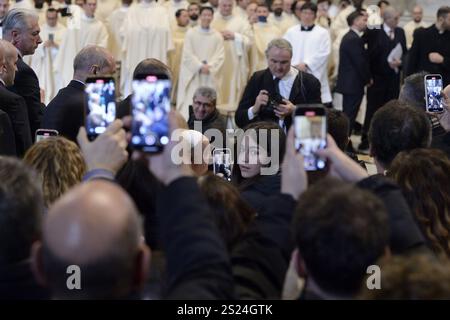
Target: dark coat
x=354, y=71
x=7, y=141
x=14, y=105
x=263, y=80
x=26, y=85
x=65, y=112
x=427, y=40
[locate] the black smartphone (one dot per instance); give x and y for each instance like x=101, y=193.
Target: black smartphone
x=100, y=109
x=150, y=107
x=51, y=37
x=433, y=93
x=222, y=163
x=310, y=126
x=42, y=134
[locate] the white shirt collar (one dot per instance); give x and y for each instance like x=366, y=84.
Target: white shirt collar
x=386, y=28
x=359, y=33
x=290, y=75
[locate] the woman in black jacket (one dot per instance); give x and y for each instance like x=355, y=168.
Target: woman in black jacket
x=260, y=154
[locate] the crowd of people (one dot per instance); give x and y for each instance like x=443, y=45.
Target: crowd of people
x=162, y=225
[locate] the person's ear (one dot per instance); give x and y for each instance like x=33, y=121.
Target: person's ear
x=299, y=264
x=142, y=266
x=37, y=265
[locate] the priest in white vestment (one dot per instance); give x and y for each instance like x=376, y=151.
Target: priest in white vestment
x=414, y=24
x=264, y=32
x=311, y=46
x=42, y=61
x=80, y=33
x=105, y=8
x=114, y=25
x=202, y=59
x=281, y=19
x=238, y=37
x=146, y=34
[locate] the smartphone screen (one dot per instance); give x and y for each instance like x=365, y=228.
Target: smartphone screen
x=42, y=134
x=51, y=37
x=101, y=105
x=311, y=135
x=222, y=163
x=433, y=90
x=150, y=109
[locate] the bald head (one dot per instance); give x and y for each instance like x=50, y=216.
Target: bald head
x=95, y=226
x=8, y=62
x=93, y=61
x=391, y=17
x=417, y=13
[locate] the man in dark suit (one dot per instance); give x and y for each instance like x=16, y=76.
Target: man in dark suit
x=12, y=104
x=385, y=75
x=65, y=112
x=354, y=72
x=430, y=50
x=7, y=141
x=271, y=94
x=21, y=28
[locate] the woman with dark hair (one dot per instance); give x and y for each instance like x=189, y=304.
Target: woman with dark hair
x=424, y=176
x=260, y=154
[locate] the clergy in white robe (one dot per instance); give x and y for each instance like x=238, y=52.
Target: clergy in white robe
x=81, y=32
x=311, y=45
x=105, y=8
x=264, y=32
x=42, y=62
x=238, y=37
x=194, y=12
x=146, y=34
x=240, y=9
x=414, y=24
x=202, y=61
x=174, y=59
x=114, y=25
x=340, y=21
x=280, y=19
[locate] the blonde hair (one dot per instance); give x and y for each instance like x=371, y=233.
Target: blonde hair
x=60, y=165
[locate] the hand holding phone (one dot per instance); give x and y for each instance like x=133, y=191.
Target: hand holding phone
x=433, y=93
x=310, y=125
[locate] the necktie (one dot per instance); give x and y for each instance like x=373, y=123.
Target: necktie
x=277, y=85
x=391, y=34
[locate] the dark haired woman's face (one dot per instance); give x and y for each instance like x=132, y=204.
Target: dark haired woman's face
x=251, y=158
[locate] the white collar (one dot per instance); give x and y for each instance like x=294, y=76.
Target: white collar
x=292, y=73
x=359, y=33
x=386, y=28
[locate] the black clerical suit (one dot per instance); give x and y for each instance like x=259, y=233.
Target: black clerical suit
x=386, y=81
x=426, y=41
x=7, y=141
x=16, y=109
x=354, y=73
x=26, y=85
x=65, y=112
x=306, y=89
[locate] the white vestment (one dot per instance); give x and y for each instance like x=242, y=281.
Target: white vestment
x=263, y=34
x=236, y=68
x=199, y=46
x=146, y=34
x=312, y=48
x=42, y=61
x=114, y=24
x=173, y=6
x=105, y=8
x=90, y=32
x=283, y=22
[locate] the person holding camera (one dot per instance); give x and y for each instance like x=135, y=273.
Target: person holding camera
x=271, y=94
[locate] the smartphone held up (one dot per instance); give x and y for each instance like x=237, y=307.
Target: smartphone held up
x=310, y=126
x=433, y=93
x=150, y=112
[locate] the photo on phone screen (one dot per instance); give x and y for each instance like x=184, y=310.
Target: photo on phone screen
x=311, y=135
x=222, y=163
x=101, y=105
x=42, y=134
x=433, y=91
x=150, y=109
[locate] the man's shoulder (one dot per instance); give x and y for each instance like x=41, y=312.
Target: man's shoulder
x=260, y=74
x=8, y=96
x=67, y=96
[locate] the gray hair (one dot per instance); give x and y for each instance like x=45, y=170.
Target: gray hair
x=389, y=12
x=279, y=43
x=206, y=92
x=17, y=19
x=91, y=55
